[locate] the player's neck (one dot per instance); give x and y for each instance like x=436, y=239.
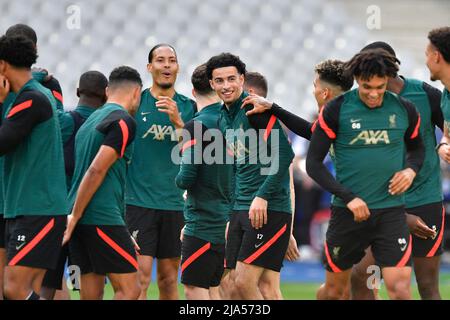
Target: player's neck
x=19, y=79
x=91, y=103
x=446, y=79
x=203, y=102
x=396, y=85
x=123, y=102
x=157, y=91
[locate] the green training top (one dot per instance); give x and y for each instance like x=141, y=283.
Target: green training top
x=151, y=176
x=208, y=203
x=427, y=186
x=111, y=125
x=33, y=174
x=262, y=167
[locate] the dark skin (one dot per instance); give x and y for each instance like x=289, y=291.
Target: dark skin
x=425, y=269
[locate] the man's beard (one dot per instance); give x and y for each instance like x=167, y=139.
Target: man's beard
x=165, y=86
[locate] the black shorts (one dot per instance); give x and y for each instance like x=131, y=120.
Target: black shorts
x=2, y=231
x=53, y=278
x=385, y=231
x=201, y=262
x=102, y=250
x=434, y=217
x=157, y=232
x=265, y=247
x=34, y=241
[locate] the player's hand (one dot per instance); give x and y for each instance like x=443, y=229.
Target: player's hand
x=292, y=253
x=260, y=105
x=401, y=181
x=182, y=234
x=47, y=77
x=71, y=224
x=419, y=228
x=135, y=244
x=4, y=88
x=258, y=213
x=169, y=106
x=359, y=209
x=227, y=228
x=444, y=152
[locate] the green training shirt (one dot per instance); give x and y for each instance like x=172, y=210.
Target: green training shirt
x=427, y=186
x=151, y=176
x=33, y=172
x=250, y=180
x=208, y=203
x=112, y=126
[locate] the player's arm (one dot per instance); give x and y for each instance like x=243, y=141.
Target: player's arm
x=118, y=135
x=415, y=152
x=282, y=156
x=296, y=124
x=47, y=80
x=437, y=117
x=434, y=98
x=321, y=140
x=30, y=109
x=192, y=150
x=292, y=252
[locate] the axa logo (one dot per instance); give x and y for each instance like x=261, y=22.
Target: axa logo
x=160, y=133
x=239, y=149
x=373, y=137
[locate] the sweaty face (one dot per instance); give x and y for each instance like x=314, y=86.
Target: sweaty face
x=372, y=91
x=431, y=60
x=228, y=84
x=164, y=67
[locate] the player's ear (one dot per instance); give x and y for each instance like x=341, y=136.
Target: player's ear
x=211, y=83
x=193, y=93
x=107, y=91
x=149, y=68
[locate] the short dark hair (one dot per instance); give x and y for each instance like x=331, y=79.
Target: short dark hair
x=124, y=74
x=93, y=84
x=18, y=51
x=440, y=38
x=257, y=81
x=200, y=81
x=160, y=45
x=225, y=60
x=333, y=72
x=381, y=45
x=24, y=30
x=372, y=62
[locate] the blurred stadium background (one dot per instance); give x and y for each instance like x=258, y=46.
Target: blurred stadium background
x=282, y=39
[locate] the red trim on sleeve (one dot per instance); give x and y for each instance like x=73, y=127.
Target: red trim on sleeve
x=416, y=130
x=330, y=133
x=269, y=128
x=58, y=96
x=125, y=135
x=188, y=144
x=20, y=107
x=314, y=126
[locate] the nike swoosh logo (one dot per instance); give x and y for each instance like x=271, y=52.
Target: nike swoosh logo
x=20, y=247
x=404, y=247
x=145, y=113
x=258, y=245
x=353, y=120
